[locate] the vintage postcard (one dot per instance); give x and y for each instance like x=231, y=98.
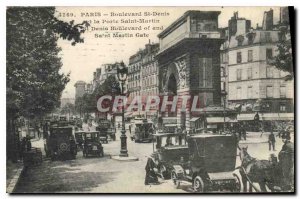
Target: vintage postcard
x=150, y=100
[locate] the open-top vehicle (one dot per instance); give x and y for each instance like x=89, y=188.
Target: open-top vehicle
x=60, y=142
x=211, y=164
x=169, y=149
x=92, y=144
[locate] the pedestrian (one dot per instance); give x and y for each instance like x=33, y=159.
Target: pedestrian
x=151, y=177
x=271, y=141
x=28, y=144
x=244, y=133
x=23, y=147
x=286, y=161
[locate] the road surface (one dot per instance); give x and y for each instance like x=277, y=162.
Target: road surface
x=106, y=175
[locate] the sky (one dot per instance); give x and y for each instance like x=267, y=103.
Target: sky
x=82, y=59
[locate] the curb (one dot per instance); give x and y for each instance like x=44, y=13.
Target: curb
x=14, y=181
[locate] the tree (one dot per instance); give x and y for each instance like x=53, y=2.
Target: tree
x=88, y=102
x=68, y=108
x=34, y=83
x=284, y=59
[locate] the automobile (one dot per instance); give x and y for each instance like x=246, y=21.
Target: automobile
x=168, y=149
x=103, y=136
x=60, y=142
x=211, y=164
x=79, y=139
x=141, y=131
x=92, y=144
x=112, y=133
x=106, y=130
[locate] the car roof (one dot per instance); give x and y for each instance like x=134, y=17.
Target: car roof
x=167, y=134
x=61, y=127
x=204, y=135
x=87, y=132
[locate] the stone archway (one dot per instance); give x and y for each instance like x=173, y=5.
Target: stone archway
x=170, y=80
x=172, y=85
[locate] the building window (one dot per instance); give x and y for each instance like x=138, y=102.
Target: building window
x=238, y=74
x=269, y=54
x=239, y=93
x=223, y=86
x=250, y=55
x=239, y=57
x=282, y=91
x=268, y=37
x=223, y=73
x=269, y=91
x=249, y=73
x=250, y=92
x=269, y=72
x=282, y=108
x=205, y=72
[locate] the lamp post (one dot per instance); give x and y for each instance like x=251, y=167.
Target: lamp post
x=122, y=73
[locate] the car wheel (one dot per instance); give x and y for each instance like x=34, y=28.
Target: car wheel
x=198, y=184
x=175, y=180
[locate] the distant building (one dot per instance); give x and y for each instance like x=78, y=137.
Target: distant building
x=149, y=70
x=134, y=74
x=237, y=26
x=80, y=89
x=65, y=101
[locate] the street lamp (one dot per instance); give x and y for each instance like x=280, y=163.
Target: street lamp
x=122, y=72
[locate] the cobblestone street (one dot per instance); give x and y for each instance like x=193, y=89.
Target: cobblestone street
x=102, y=175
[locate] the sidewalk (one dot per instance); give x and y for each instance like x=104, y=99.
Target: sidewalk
x=256, y=137
x=13, y=173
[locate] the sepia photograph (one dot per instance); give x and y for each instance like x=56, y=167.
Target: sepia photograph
x=150, y=99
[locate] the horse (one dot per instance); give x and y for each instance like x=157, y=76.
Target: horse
x=256, y=171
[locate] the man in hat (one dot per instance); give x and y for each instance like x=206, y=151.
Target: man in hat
x=286, y=161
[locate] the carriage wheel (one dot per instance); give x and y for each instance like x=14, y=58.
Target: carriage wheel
x=237, y=184
x=175, y=180
x=198, y=184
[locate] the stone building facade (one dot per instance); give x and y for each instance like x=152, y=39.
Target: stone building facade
x=189, y=62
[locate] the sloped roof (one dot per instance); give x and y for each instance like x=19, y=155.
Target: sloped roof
x=258, y=36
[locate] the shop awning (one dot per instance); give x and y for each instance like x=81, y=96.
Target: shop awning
x=211, y=120
x=277, y=116
x=170, y=120
x=266, y=116
x=194, y=119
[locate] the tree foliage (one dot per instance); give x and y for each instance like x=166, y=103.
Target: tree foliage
x=284, y=59
x=68, y=108
x=33, y=78
x=88, y=102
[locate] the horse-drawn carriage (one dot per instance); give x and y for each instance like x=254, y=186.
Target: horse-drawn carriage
x=271, y=175
x=210, y=165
